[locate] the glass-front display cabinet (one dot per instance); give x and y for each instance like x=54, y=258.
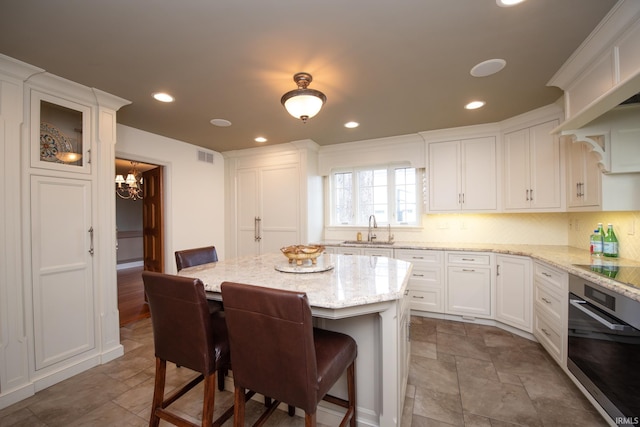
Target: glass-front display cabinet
x=60, y=134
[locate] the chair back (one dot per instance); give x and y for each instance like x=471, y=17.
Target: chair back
x=196, y=256
x=182, y=328
x=271, y=343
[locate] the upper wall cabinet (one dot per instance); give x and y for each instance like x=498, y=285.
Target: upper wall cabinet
x=532, y=168
x=59, y=134
x=463, y=175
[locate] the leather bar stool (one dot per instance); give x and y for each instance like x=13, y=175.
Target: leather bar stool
x=196, y=256
x=287, y=358
x=187, y=334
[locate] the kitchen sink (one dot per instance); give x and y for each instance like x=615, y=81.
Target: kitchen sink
x=364, y=242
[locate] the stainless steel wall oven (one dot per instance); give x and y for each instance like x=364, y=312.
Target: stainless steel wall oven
x=604, y=348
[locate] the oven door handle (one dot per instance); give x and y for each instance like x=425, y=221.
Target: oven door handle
x=579, y=305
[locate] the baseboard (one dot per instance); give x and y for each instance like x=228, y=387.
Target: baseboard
x=132, y=264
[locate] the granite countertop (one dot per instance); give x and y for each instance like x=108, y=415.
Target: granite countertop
x=349, y=281
x=562, y=257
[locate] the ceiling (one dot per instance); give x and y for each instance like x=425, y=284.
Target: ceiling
x=395, y=67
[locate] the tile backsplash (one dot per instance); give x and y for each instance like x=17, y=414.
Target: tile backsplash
x=570, y=228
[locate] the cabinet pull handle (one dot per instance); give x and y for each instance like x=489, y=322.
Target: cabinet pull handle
x=545, y=332
x=256, y=225
x=418, y=257
x=469, y=270
x=531, y=194
x=459, y=198
x=468, y=259
x=463, y=198
x=89, y=156
x=527, y=195
x=91, y=251
x=546, y=274
x=417, y=275
x=545, y=300
x=406, y=292
x=498, y=270
x=417, y=297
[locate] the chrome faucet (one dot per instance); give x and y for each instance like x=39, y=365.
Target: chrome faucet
x=370, y=235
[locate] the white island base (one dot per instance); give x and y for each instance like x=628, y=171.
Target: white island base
x=361, y=298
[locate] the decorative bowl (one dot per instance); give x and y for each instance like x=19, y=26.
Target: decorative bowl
x=300, y=253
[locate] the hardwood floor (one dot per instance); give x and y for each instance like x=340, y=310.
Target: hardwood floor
x=131, y=303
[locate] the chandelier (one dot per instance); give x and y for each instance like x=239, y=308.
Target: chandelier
x=303, y=103
x=131, y=187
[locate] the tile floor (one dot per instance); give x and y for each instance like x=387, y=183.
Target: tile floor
x=461, y=374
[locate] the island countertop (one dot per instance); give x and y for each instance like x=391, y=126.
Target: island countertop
x=351, y=282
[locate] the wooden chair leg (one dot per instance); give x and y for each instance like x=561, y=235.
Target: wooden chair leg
x=309, y=420
x=158, y=391
x=351, y=391
x=209, y=400
x=221, y=374
x=291, y=410
x=238, y=407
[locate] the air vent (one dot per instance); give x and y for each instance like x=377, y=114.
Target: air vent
x=203, y=156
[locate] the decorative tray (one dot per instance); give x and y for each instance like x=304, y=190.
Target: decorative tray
x=306, y=267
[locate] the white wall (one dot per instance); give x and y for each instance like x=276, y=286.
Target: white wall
x=194, y=190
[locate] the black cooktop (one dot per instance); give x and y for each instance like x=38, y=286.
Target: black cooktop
x=629, y=275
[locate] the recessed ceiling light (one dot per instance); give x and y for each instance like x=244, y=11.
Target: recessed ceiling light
x=351, y=125
x=220, y=123
x=508, y=3
x=260, y=139
x=488, y=67
x=163, y=97
x=474, y=105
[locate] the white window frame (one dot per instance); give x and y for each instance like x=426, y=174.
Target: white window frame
x=391, y=198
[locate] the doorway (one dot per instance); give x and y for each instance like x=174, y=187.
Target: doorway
x=139, y=230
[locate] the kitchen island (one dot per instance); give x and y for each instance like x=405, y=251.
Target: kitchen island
x=361, y=296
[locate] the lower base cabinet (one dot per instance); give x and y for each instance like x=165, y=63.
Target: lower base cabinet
x=550, y=295
x=513, y=291
x=469, y=283
x=426, y=284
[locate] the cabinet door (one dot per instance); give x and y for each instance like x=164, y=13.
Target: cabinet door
x=280, y=212
x=444, y=176
x=583, y=173
x=516, y=170
x=247, y=212
x=591, y=194
x=513, y=291
x=469, y=291
x=62, y=269
x=544, y=151
x=479, y=183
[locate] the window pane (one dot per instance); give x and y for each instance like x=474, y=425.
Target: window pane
x=405, y=194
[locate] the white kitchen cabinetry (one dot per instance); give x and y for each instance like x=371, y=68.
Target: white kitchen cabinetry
x=462, y=175
x=469, y=284
x=532, y=168
x=272, y=196
x=583, y=176
x=550, y=309
x=513, y=291
x=426, y=283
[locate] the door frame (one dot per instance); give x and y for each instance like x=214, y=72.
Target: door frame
x=166, y=183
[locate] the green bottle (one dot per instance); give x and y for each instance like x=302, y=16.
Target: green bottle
x=610, y=247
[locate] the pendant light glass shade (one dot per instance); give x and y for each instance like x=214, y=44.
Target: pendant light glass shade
x=303, y=103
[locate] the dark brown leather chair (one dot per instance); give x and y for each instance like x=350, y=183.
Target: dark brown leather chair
x=276, y=351
x=196, y=256
x=187, y=334
x=199, y=256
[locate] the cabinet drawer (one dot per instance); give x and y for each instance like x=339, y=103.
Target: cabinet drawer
x=551, y=276
x=425, y=277
x=427, y=299
x=419, y=257
x=548, y=336
x=468, y=259
x=549, y=302
x=378, y=252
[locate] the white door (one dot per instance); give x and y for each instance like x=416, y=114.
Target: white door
x=268, y=206
x=513, y=291
x=247, y=213
x=63, y=293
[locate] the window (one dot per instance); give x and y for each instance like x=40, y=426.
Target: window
x=391, y=194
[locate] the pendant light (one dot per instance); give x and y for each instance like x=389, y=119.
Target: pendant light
x=303, y=103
